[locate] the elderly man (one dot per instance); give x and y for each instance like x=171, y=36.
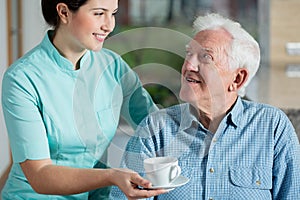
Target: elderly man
x=227, y=147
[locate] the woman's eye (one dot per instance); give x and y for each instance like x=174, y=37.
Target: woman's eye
x=101, y=13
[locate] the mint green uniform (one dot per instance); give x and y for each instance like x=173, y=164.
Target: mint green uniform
x=70, y=116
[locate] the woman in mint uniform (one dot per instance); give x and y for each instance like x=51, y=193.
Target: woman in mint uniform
x=62, y=102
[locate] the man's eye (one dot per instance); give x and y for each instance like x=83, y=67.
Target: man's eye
x=207, y=56
x=188, y=53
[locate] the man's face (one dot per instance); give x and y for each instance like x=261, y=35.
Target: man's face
x=206, y=74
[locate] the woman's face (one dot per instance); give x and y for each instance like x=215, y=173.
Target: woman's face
x=90, y=25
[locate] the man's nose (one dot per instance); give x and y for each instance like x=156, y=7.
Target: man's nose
x=191, y=64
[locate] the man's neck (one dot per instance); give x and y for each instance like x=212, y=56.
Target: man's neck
x=211, y=116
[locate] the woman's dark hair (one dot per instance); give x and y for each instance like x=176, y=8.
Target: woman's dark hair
x=49, y=9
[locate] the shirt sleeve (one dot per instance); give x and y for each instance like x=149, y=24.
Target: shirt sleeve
x=286, y=177
x=136, y=151
x=26, y=131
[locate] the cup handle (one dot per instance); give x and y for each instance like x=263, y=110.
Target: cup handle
x=174, y=173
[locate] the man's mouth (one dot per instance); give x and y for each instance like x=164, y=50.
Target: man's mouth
x=191, y=80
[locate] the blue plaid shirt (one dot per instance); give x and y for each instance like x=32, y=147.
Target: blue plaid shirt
x=254, y=154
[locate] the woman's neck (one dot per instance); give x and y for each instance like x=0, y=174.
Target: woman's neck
x=67, y=48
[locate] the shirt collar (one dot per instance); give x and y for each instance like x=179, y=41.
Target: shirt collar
x=235, y=115
x=190, y=115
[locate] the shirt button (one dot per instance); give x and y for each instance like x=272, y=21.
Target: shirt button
x=258, y=182
x=210, y=198
x=211, y=170
x=215, y=140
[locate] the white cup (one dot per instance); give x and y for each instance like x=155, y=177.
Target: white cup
x=161, y=171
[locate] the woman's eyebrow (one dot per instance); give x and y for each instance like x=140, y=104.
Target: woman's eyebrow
x=104, y=9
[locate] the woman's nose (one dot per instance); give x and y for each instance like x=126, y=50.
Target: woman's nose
x=109, y=24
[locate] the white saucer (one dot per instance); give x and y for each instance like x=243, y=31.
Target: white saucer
x=180, y=181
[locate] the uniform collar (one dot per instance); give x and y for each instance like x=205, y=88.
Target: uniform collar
x=53, y=53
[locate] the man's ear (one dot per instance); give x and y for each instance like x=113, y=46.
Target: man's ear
x=63, y=12
x=241, y=76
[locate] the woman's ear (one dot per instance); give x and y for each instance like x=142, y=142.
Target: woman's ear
x=241, y=76
x=63, y=12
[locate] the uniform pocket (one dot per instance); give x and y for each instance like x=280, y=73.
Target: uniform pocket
x=254, y=182
x=108, y=122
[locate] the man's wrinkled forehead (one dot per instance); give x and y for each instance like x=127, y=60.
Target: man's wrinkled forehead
x=211, y=38
x=195, y=46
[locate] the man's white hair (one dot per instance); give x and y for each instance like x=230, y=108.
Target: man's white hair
x=244, y=52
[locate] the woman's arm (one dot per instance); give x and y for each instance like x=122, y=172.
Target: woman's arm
x=46, y=178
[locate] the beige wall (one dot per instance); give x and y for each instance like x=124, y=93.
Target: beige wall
x=33, y=31
x=284, y=28
x=4, y=149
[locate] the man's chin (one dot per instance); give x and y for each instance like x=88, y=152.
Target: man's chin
x=186, y=96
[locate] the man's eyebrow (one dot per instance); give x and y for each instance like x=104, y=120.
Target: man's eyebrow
x=208, y=49
x=201, y=48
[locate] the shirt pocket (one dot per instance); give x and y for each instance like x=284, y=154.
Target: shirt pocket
x=254, y=182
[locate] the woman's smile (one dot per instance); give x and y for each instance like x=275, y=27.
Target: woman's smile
x=100, y=37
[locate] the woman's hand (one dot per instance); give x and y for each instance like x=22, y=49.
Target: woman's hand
x=129, y=181
x=69, y=180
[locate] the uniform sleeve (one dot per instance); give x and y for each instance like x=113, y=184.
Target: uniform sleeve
x=137, y=103
x=286, y=177
x=23, y=120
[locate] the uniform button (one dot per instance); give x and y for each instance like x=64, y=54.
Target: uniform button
x=211, y=170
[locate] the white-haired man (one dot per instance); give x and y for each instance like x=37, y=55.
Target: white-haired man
x=228, y=147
